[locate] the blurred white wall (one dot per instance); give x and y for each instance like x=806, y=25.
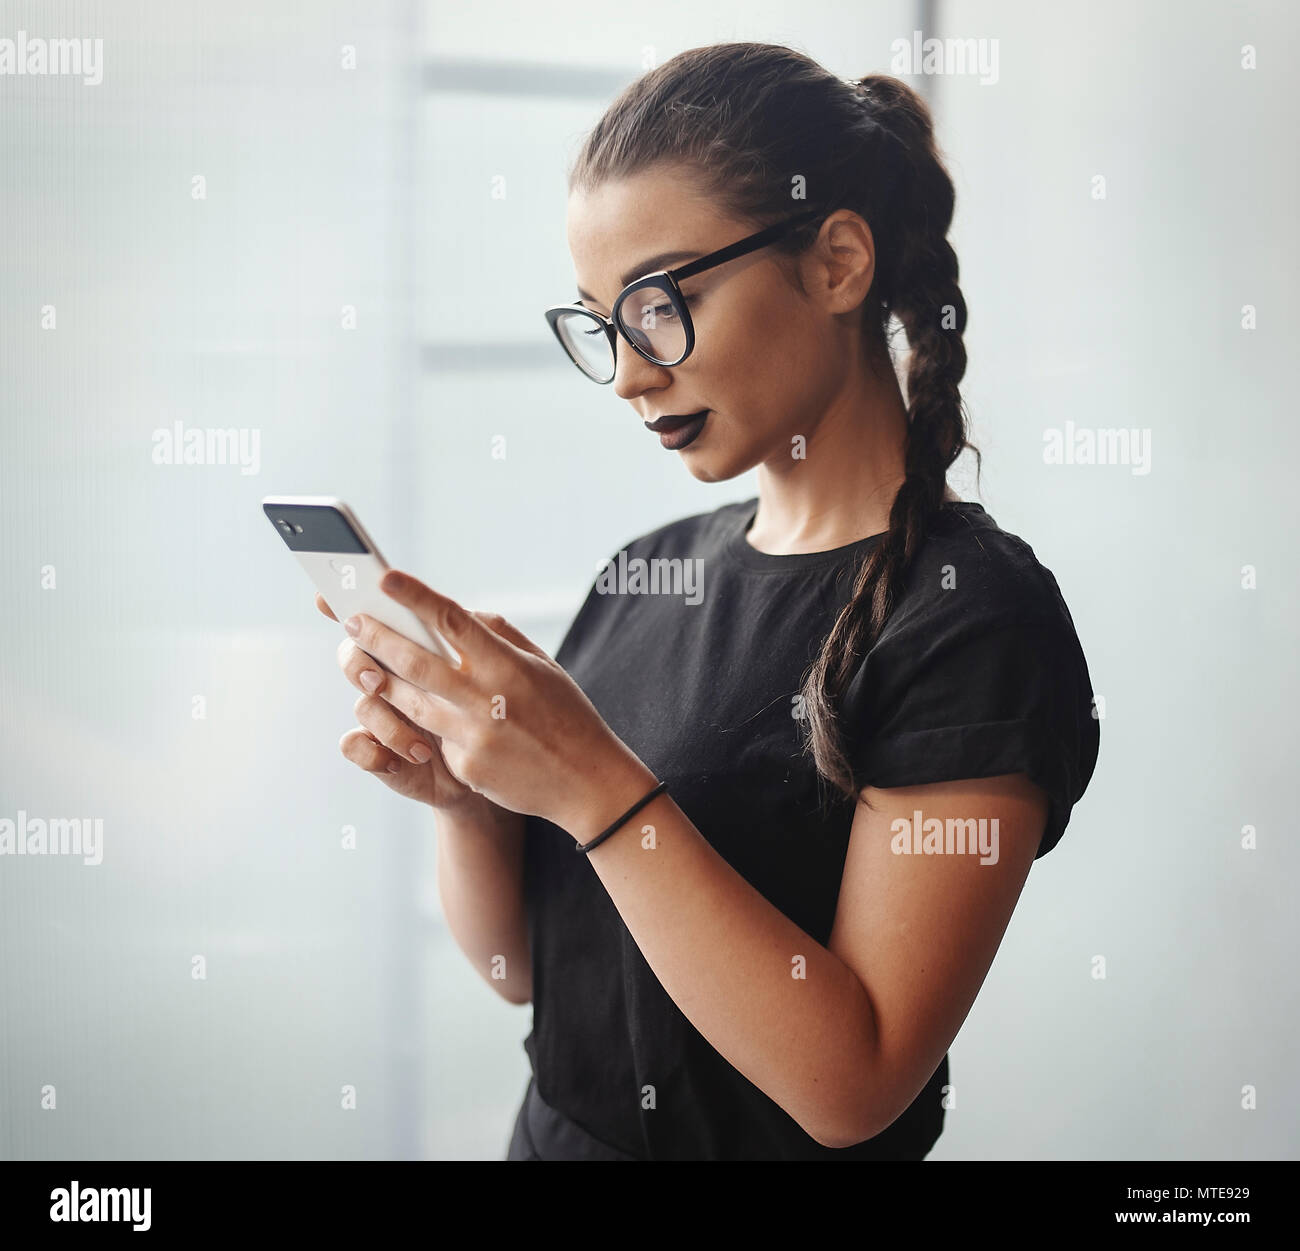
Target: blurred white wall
x=365, y=180
x=1127, y=312
x=222, y=834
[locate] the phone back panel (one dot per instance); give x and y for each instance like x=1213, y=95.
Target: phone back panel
x=349, y=583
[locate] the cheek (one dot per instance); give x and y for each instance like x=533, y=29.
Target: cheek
x=756, y=343
x=764, y=363
x=771, y=366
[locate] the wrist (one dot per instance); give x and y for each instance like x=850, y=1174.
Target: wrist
x=607, y=797
x=474, y=810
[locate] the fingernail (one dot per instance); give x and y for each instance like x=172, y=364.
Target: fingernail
x=421, y=754
x=370, y=680
x=352, y=625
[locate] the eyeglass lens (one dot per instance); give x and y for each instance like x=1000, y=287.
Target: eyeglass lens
x=587, y=344
x=650, y=318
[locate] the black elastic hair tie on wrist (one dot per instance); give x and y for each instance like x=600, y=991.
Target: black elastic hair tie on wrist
x=631, y=812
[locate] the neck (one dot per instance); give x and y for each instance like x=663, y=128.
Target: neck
x=845, y=487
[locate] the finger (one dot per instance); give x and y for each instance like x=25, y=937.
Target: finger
x=393, y=731
x=363, y=749
x=425, y=711
x=363, y=671
x=409, y=660
x=410, y=701
x=499, y=625
x=324, y=607
x=464, y=631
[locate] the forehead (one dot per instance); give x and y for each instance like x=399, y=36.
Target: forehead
x=617, y=225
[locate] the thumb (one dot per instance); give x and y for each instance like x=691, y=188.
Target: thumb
x=499, y=625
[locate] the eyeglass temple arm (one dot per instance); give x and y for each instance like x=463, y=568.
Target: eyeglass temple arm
x=752, y=244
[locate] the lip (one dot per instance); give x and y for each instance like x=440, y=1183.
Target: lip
x=683, y=433
x=673, y=421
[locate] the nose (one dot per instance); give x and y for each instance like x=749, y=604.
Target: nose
x=633, y=374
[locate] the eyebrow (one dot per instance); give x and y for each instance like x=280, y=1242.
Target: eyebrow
x=649, y=266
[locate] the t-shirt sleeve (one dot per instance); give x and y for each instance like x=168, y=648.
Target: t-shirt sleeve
x=952, y=692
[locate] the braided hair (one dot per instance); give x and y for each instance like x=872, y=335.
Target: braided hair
x=748, y=120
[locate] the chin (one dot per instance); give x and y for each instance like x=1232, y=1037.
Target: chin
x=719, y=464
x=705, y=469
x=702, y=473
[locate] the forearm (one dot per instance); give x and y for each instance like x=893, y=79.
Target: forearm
x=481, y=887
x=781, y=1008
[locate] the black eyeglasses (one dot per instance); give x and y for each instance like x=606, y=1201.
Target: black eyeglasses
x=660, y=329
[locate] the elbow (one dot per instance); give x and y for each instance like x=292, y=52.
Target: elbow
x=860, y=1110
x=841, y=1142
x=841, y=1139
x=854, y=1120
x=866, y=1103
x=518, y=991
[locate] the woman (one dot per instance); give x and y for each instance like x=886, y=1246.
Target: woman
x=866, y=701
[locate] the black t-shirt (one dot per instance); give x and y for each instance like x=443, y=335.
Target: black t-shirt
x=978, y=672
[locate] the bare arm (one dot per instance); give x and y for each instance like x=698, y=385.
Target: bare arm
x=481, y=887
x=480, y=844
x=843, y=1036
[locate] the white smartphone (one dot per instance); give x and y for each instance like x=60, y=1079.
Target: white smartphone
x=345, y=565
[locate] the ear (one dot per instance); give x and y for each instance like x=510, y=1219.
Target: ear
x=846, y=261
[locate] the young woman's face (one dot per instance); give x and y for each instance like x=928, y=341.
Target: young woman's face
x=766, y=364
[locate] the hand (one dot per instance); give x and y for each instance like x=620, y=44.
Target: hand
x=387, y=745
x=512, y=725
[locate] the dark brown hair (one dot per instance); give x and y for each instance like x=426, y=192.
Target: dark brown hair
x=753, y=125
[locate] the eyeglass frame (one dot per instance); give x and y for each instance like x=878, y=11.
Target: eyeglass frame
x=668, y=280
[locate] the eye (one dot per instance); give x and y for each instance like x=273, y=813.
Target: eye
x=661, y=312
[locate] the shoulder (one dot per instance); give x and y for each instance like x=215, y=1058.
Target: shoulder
x=978, y=672
x=979, y=636
x=971, y=576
